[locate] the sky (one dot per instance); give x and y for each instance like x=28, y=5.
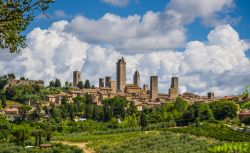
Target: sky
x=205, y=43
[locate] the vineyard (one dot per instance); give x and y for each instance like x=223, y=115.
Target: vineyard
x=139, y=142
x=216, y=131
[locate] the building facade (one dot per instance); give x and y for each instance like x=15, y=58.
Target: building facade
x=137, y=78
x=153, y=87
x=101, y=82
x=76, y=78
x=174, y=87
x=121, y=75
x=107, y=81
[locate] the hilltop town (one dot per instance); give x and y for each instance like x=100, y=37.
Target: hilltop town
x=147, y=96
x=32, y=114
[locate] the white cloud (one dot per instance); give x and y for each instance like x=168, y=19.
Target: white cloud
x=192, y=9
x=132, y=35
x=118, y=3
x=147, y=42
x=60, y=14
x=212, y=66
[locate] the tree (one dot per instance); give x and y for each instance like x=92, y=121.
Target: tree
x=24, y=110
x=181, y=105
x=87, y=84
x=143, y=120
x=224, y=109
x=15, y=16
x=52, y=83
x=80, y=85
x=4, y=104
x=58, y=83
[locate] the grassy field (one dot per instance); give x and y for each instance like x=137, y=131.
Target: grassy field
x=140, y=142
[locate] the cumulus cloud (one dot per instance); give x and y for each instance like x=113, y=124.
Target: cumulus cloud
x=206, y=10
x=118, y=3
x=219, y=65
x=133, y=34
x=152, y=31
x=147, y=42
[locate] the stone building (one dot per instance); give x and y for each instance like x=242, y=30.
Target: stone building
x=174, y=88
x=13, y=83
x=145, y=87
x=153, y=87
x=101, y=82
x=210, y=95
x=137, y=78
x=132, y=89
x=107, y=81
x=112, y=85
x=76, y=78
x=121, y=75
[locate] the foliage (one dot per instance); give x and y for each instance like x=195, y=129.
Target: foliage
x=114, y=107
x=15, y=16
x=181, y=105
x=87, y=84
x=81, y=86
x=231, y=147
x=4, y=103
x=224, y=109
x=129, y=122
x=58, y=83
x=245, y=105
x=196, y=113
x=217, y=131
x=56, y=148
x=139, y=142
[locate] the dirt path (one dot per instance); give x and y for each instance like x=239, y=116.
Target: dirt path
x=81, y=145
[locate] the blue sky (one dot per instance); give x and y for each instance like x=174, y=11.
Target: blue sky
x=95, y=9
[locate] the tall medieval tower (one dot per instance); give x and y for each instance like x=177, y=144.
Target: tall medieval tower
x=174, y=88
x=121, y=74
x=154, y=87
x=137, y=78
x=76, y=78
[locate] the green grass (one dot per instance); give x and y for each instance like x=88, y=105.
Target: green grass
x=216, y=131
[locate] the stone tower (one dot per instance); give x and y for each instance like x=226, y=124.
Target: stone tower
x=107, y=81
x=76, y=78
x=121, y=74
x=210, y=95
x=137, y=78
x=154, y=87
x=145, y=87
x=112, y=85
x=174, y=88
x=101, y=82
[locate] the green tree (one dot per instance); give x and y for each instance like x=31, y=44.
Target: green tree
x=58, y=83
x=22, y=78
x=4, y=104
x=52, y=83
x=224, y=109
x=24, y=111
x=129, y=122
x=181, y=105
x=87, y=84
x=15, y=16
x=80, y=85
x=143, y=120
